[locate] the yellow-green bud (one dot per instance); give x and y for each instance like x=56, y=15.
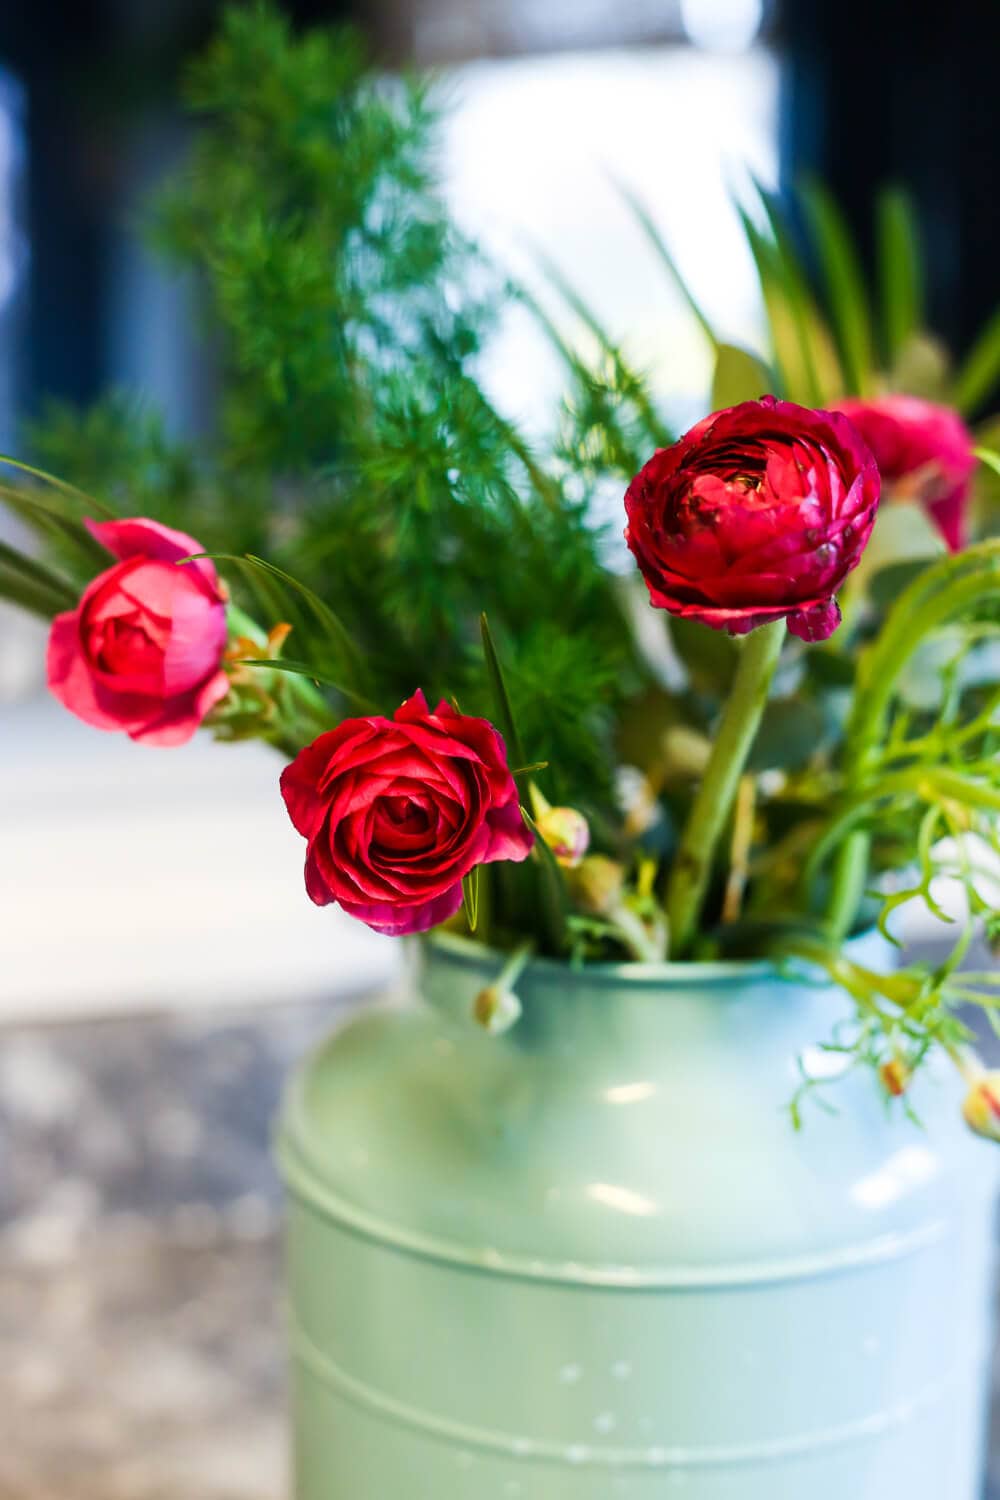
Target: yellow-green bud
x=685, y=752
x=567, y=834
x=981, y=1108
x=597, y=885
x=497, y=1009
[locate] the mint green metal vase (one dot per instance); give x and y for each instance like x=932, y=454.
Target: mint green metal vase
x=591, y=1259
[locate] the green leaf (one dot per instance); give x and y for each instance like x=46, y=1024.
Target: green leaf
x=325, y=616
x=845, y=285
x=739, y=376
x=885, y=586
x=798, y=338
x=821, y=376
x=830, y=668
x=791, y=731
x=659, y=244
x=900, y=271
x=989, y=458
x=501, y=698
x=58, y=484
x=980, y=371
x=303, y=669
x=31, y=569
x=470, y=897
x=29, y=594
x=554, y=894
x=53, y=523
x=710, y=656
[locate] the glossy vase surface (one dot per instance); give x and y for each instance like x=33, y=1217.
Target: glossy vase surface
x=591, y=1258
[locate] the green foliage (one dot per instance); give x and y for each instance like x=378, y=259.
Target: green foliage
x=358, y=453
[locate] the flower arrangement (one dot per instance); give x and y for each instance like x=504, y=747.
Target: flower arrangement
x=775, y=726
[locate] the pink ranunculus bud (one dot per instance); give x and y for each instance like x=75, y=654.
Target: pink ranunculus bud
x=924, y=452
x=567, y=834
x=757, y=514
x=143, y=650
x=398, y=811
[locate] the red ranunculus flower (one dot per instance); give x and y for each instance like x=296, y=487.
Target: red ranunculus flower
x=759, y=513
x=924, y=452
x=142, y=651
x=397, y=811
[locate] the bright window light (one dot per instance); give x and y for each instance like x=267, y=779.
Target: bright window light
x=722, y=25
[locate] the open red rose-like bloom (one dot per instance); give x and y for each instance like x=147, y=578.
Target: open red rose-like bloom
x=924, y=452
x=142, y=651
x=758, y=513
x=398, y=811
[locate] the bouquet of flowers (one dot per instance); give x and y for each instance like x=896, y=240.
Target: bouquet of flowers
x=775, y=723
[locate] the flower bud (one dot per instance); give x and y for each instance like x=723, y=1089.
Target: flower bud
x=497, y=1009
x=895, y=1076
x=981, y=1108
x=597, y=885
x=685, y=752
x=567, y=834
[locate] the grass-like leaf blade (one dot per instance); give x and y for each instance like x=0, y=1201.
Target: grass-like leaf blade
x=50, y=522
x=346, y=647
x=900, y=270
x=845, y=285
x=980, y=371
x=303, y=669
x=28, y=593
x=787, y=268
x=659, y=244
x=553, y=892
x=501, y=698
x=81, y=496
x=29, y=568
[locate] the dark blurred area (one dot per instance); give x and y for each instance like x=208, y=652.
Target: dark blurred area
x=873, y=91
x=878, y=91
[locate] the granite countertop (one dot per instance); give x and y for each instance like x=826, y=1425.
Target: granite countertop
x=144, y=1370
x=141, y=1327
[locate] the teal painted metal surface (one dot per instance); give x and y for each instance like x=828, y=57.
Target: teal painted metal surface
x=591, y=1259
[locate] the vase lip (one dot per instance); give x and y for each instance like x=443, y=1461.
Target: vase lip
x=471, y=954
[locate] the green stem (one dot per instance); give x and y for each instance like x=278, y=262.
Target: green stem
x=714, y=800
x=850, y=877
x=944, y=592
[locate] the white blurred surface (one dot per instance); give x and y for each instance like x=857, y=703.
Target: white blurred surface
x=529, y=152
x=140, y=879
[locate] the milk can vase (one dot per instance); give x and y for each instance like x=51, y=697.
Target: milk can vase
x=591, y=1258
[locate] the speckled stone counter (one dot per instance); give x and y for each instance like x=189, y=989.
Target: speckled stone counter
x=144, y=1370
x=141, y=1343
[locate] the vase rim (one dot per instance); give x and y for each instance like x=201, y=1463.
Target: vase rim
x=469, y=953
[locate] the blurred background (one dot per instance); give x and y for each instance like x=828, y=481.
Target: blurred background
x=138, y=1072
